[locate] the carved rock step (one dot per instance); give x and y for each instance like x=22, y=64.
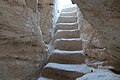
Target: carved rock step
x=66, y=34
x=66, y=26
x=68, y=44
x=64, y=71
x=70, y=8
x=67, y=19
x=67, y=57
x=73, y=13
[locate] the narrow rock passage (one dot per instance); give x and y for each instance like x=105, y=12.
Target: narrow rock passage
x=67, y=60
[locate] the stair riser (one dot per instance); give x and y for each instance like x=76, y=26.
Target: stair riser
x=66, y=34
x=67, y=19
x=69, y=14
x=67, y=58
x=68, y=45
x=58, y=74
x=69, y=9
x=65, y=27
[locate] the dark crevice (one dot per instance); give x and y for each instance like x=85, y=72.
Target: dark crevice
x=115, y=71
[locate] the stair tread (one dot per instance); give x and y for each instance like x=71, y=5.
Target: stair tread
x=69, y=39
x=67, y=17
x=73, y=13
x=67, y=23
x=82, y=68
x=67, y=52
x=68, y=12
x=74, y=30
x=68, y=30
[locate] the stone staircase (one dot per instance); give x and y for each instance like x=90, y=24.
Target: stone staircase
x=67, y=60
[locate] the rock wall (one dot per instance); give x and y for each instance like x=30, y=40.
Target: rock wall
x=46, y=8
x=100, y=28
x=22, y=51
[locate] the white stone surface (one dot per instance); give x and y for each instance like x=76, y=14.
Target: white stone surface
x=100, y=75
x=66, y=52
x=70, y=67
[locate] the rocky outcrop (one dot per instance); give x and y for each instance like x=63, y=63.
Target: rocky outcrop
x=46, y=8
x=100, y=27
x=22, y=51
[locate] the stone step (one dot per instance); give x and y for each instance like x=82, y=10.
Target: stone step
x=70, y=8
x=67, y=57
x=64, y=71
x=66, y=34
x=66, y=26
x=73, y=13
x=68, y=44
x=67, y=19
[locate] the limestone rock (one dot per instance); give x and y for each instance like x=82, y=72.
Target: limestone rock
x=46, y=9
x=98, y=54
x=22, y=51
x=104, y=16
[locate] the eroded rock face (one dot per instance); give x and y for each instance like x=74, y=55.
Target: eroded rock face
x=22, y=51
x=46, y=9
x=100, y=26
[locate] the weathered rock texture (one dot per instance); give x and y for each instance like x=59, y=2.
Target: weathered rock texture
x=100, y=26
x=46, y=8
x=22, y=51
